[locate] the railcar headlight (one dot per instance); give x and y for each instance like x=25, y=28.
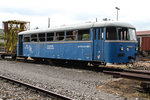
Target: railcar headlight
x=121, y=48
x=127, y=49
x=136, y=48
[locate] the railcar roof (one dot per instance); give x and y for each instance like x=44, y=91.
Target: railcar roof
x=79, y=26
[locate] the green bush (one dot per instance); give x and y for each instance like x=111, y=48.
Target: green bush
x=2, y=36
x=86, y=36
x=1, y=44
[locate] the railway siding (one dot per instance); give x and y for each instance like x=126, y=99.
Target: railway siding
x=133, y=74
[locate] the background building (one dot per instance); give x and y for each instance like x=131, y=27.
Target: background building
x=144, y=40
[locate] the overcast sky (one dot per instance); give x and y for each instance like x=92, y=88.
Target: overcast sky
x=64, y=12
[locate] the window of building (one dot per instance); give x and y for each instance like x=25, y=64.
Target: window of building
x=71, y=35
x=111, y=33
x=50, y=36
x=41, y=37
x=60, y=36
x=84, y=34
x=123, y=33
x=27, y=38
x=33, y=37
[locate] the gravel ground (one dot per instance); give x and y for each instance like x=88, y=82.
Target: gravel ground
x=10, y=91
x=142, y=65
x=75, y=83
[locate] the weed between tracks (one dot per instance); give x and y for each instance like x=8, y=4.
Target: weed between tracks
x=124, y=87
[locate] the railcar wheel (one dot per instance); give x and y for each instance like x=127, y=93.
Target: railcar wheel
x=13, y=57
x=2, y=56
x=95, y=65
x=82, y=64
x=55, y=62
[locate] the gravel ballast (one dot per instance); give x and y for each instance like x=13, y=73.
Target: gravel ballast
x=75, y=83
x=10, y=91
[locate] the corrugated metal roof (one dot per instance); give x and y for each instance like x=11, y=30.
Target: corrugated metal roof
x=80, y=26
x=138, y=33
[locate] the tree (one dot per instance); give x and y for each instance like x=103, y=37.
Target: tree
x=106, y=19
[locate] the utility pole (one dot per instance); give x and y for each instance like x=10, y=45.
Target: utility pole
x=117, y=12
x=48, y=22
x=96, y=20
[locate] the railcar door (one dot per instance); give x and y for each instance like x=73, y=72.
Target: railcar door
x=102, y=44
x=20, y=45
x=98, y=44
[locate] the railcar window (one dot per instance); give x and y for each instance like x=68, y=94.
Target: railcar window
x=60, y=36
x=33, y=37
x=94, y=34
x=41, y=37
x=132, y=34
x=84, y=34
x=71, y=35
x=50, y=36
x=102, y=33
x=26, y=38
x=123, y=34
x=111, y=33
x=99, y=34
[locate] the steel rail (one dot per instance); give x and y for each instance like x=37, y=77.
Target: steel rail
x=132, y=74
x=47, y=92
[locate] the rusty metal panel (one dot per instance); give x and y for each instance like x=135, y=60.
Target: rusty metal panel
x=145, y=43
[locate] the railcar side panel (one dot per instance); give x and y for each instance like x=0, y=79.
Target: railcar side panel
x=71, y=51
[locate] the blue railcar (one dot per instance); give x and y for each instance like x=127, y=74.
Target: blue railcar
x=97, y=43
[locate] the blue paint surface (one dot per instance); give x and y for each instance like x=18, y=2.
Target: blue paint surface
x=72, y=51
x=112, y=50
x=81, y=51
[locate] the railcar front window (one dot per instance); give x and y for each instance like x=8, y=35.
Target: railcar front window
x=111, y=33
x=123, y=33
x=132, y=34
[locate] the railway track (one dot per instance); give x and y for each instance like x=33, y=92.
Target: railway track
x=51, y=94
x=142, y=75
